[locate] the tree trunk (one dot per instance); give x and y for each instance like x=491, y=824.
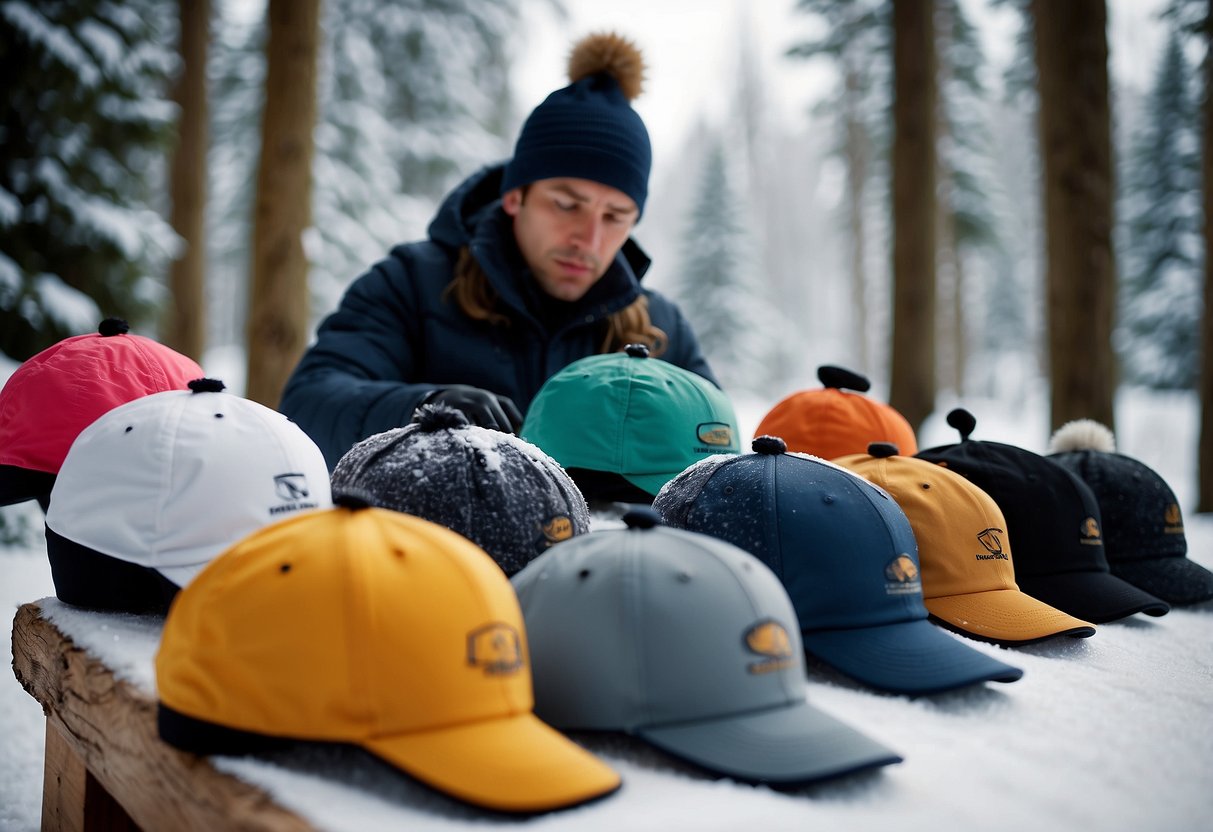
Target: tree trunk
x=278, y=308
x=185, y=326
x=1204, y=502
x=912, y=388
x=857, y=177
x=1076, y=152
x=949, y=278
x=960, y=331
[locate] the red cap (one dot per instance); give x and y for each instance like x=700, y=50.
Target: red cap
x=63, y=389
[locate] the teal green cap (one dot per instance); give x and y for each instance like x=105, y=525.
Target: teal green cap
x=625, y=413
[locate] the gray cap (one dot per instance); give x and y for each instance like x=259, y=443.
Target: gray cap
x=687, y=642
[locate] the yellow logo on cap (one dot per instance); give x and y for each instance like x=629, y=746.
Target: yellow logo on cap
x=1090, y=532
x=558, y=528
x=1174, y=520
x=989, y=538
x=771, y=641
x=495, y=647
x=719, y=434
x=902, y=575
x=901, y=569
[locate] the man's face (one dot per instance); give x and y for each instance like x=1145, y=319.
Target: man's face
x=569, y=231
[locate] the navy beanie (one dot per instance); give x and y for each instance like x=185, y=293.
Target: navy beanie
x=588, y=130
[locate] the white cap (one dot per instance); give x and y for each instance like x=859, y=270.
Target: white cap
x=170, y=480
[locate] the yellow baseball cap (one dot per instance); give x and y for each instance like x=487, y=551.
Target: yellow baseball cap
x=968, y=577
x=367, y=626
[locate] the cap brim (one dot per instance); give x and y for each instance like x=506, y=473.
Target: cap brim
x=787, y=745
x=513, y=764
x=20, y=484
x=1006, y=616
x=1098, y=597
x=911, y=657
x=1176, y=580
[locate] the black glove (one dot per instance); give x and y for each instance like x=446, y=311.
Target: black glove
x=481, y=407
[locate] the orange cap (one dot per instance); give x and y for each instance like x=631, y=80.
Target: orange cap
x=832, y=422
x=968, y=576
x=367, y=626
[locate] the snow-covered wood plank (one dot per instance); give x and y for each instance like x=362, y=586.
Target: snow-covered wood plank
x=110, y=726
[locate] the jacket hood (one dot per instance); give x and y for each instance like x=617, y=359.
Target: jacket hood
x=454, y=225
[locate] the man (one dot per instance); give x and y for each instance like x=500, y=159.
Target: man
x=528, y=266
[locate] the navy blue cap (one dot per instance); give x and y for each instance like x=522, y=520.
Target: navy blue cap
x=846, y=554
x=1055, y=522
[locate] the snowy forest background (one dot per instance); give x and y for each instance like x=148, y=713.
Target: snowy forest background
x=774, y=236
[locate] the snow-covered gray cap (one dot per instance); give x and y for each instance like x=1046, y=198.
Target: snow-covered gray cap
x=686, y=642
x=502, y=493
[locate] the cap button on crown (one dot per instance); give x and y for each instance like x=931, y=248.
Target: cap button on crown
x=769, y=445
x=642, y=517
x=206, y=385
x=963, y=421
x=113, y=326
x=882, y=450
x=637, y=350
x=841, y=378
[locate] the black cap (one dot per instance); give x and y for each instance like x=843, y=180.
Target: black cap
x=1143, y=526
x=1054, y=525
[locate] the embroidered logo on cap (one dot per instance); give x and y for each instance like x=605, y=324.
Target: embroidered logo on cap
x=770, y=640
x=717, y=434
x=495, y=647
x=902, y=575
x=291, y=486
x=1090, y=532
x=989, y=538
x=1174, y=520
x=293, y=490
x=558, y=528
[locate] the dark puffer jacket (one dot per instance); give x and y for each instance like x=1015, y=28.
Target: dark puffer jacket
x=395, y=339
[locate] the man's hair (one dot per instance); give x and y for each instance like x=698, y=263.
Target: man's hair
x=630, y=325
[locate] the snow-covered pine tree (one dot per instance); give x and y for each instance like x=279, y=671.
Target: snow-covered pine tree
x=414, y=95
x=1161, y=288
x=81, y=157
x=716, y=285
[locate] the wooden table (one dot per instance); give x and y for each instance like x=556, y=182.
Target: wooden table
x=106, y=767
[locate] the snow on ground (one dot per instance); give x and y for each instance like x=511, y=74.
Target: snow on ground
x=1113, y=733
